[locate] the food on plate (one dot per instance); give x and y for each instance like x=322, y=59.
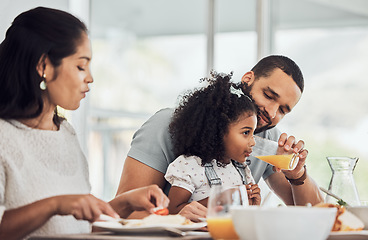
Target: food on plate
x=154, y=219
x=161, y=211
x=345, y=220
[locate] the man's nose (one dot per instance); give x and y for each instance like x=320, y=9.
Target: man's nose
x=272, y=110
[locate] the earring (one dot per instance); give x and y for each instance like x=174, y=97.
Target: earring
x=43, y=82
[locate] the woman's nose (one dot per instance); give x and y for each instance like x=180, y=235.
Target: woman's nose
x=89, y=78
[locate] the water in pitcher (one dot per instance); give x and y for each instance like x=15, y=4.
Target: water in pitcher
x=342, y=181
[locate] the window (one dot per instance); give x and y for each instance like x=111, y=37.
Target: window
x=145, y=54
x=328, y=39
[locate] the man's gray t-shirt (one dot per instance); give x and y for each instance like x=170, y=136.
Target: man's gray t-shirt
x=152, y=145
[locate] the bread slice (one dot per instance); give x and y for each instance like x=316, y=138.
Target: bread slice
x=345, y=220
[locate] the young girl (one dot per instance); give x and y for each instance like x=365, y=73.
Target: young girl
x=212, y=131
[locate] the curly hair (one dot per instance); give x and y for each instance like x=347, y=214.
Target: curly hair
x=203, y=116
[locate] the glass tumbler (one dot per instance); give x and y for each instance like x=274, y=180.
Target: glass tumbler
x=268, y=151
x=219, y=221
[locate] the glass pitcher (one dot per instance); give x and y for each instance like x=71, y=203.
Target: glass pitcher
x=342, y=182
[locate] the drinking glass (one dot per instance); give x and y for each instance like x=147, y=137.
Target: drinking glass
x=267, y=151
x=219, y=221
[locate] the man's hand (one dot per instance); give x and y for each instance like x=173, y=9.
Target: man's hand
x=293, y=194
x=289, y=145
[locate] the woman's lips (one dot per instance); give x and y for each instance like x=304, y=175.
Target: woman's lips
x=84, y=93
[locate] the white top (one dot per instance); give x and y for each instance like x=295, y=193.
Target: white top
x=36, y=164
x=187, y=173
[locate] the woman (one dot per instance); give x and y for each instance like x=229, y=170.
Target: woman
x=44, y=186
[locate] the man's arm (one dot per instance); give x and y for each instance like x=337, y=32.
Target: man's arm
x=135, y=175
x=294, y=194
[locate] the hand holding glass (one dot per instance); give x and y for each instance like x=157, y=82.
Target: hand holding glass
x=267, y=150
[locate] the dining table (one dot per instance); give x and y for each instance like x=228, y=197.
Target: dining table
x=114, y=236
x=116, y=231
x=190, y=235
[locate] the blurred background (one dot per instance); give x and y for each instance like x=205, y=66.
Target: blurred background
x=145, y=53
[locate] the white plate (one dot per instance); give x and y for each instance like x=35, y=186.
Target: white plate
x=202, y=219
x=117, y=227
x=351, y=235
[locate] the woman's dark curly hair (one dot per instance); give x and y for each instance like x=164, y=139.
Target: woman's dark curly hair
x=203, y=117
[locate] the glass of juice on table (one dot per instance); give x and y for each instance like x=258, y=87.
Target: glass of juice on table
x=268, y=151
x=219, y=222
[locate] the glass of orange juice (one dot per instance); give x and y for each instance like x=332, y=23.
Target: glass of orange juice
x=219, y=222
x=268, y=151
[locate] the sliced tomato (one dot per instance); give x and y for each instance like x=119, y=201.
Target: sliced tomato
x=162, y=211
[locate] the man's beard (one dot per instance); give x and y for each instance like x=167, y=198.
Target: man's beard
x=264, y=128
x=247, y=90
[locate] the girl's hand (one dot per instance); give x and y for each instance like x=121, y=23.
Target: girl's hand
x=82, y=207
x=254, y=194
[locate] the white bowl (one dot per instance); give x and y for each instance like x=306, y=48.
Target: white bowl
x=361, y=212
x=283, y=223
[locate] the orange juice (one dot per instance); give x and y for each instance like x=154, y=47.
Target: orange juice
x=221, y=228
x=287, y=162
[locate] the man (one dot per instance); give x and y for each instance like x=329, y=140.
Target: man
x=275, y=84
